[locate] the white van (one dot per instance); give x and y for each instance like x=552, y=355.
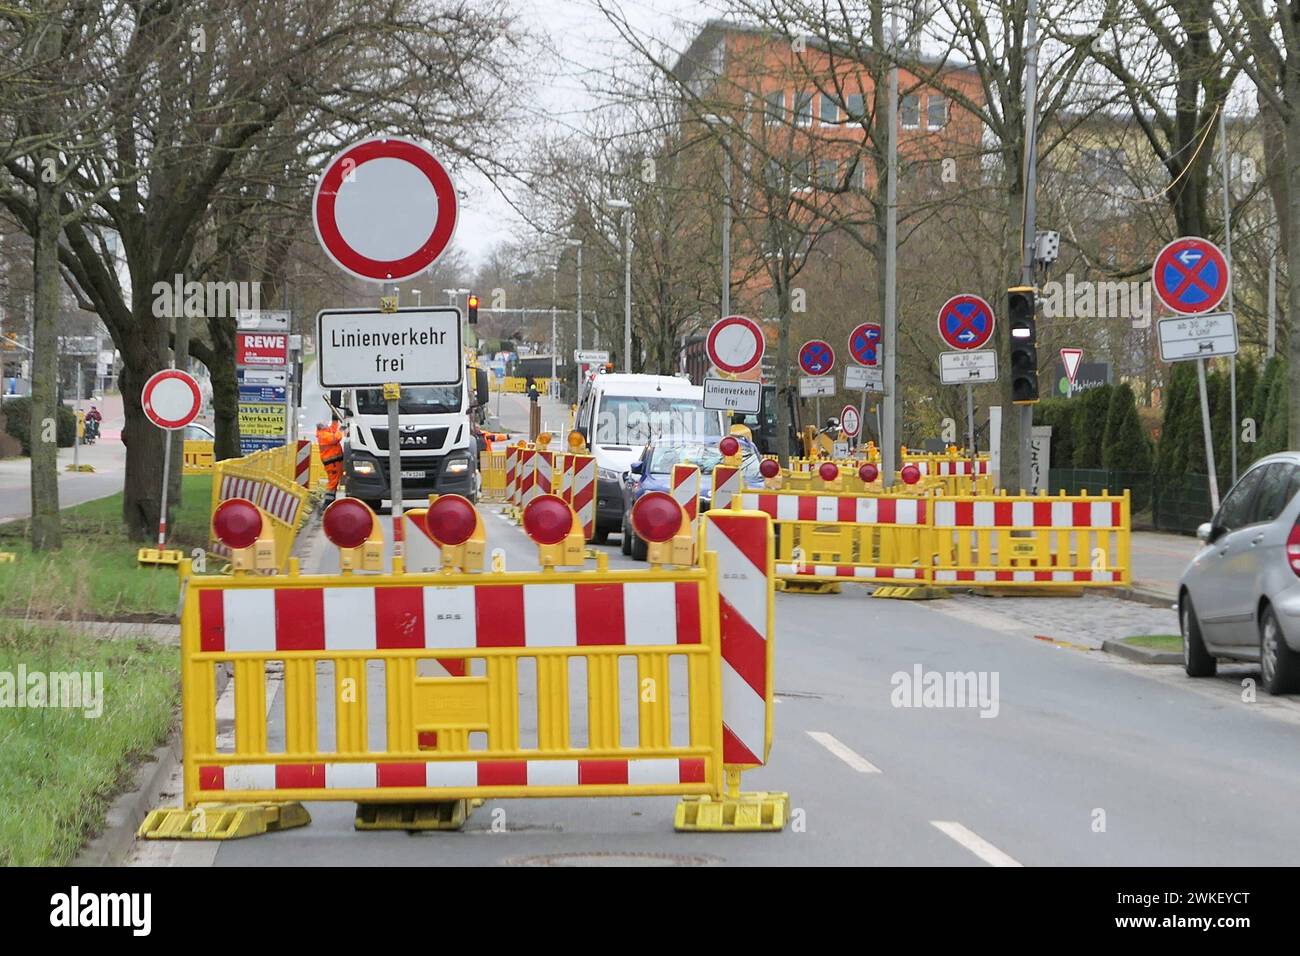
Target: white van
x=618, y=413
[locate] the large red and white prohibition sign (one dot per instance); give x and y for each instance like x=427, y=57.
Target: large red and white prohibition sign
x=384, y=209
x=735, y=344
x=171, y=399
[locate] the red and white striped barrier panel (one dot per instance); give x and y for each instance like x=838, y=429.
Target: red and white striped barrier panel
x=302, y=463
x=851, y=571
x=527, y=477
x=583, y=497
x=824, y=509
x=543, y=473
x=948, y=468
x=512, y=460
x=727, y=483
x=686, y=492
x=743, y=544
x=1028, y=515
x=464, y=616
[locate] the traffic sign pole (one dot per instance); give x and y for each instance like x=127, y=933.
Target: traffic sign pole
x=1209, y=442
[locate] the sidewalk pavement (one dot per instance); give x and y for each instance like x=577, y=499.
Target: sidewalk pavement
x=1159, y=561
x=510, y=412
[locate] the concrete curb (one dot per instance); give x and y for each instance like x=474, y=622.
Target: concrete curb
x=1142, y=596
x=1142, y=655
x=128, y=811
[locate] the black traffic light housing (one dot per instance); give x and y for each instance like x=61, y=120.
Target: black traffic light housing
x=1021, y=306
x=472, y=305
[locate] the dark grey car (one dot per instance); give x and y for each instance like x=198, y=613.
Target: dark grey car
x=1239, y=599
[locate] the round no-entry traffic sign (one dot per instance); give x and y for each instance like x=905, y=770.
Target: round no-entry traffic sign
x=735, y=344
x=1190, y=275
x=965, y=322
x=849, y=421
x=171, y=399
x=384, y=209
x=816, y=357
x=864, y=344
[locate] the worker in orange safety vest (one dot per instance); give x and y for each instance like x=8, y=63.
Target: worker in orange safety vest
x=330, y=440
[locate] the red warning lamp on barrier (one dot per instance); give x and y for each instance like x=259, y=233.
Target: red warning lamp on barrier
x=662, y=524
x=352, y=527
x=828, y=471
x=770, y=469
x=242, y=527
x=553, y=525
x=729, y=446
x=455, y=524
x=910, y=474
x=868, y=473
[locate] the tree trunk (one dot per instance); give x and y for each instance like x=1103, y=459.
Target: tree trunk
x=1009, y=468
x=1292, y=242
x=225, y=388
x=181, y=356
x=145, y=443
x=45, y=527
x=783, y=362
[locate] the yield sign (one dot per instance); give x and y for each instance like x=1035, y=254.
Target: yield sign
x=384, y=209
x=816, y=357
x=965, y=322
x=1071, y=358
x=1190, y=275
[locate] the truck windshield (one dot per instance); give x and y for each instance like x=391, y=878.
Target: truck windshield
x=418, y=400
x=636, y=419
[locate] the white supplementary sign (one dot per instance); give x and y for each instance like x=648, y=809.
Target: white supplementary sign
x=968, y=368
x=868, y=377
x=247, y=320
x=721, y=394
x=588, y=357
x=811, y=386
x=1184, y=337
x=278, y=378
x=366, y=347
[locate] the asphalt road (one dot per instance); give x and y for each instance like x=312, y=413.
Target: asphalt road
x=1087, y=761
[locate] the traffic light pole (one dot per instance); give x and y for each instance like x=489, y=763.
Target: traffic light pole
x=888, y=436
x=1031, y=210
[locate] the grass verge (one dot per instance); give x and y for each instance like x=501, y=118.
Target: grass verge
x=96, y=574
x=1157, y=642
x=61, y=767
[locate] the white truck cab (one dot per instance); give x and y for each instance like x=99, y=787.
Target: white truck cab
x=618, y=413
x=438, y=436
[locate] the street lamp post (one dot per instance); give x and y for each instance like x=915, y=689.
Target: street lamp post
x=714, y=120
x=626, y=207
x=577, y=244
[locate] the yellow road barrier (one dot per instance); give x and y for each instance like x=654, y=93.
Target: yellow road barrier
x=197, y=456
x=492, y=466
x=265, y=478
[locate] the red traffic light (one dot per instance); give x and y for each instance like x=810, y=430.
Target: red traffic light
x=547, y=519
x=868, y=472
x=237, y=523
x=910, y=474
x=828, y=471
x=348, y=523
x=769, y=468
x=656, y=516
x=450, y=520
x=729, y=446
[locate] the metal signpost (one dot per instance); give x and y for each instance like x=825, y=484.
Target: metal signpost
x=1191, y=276
x=966, y=323
x=868, y=375
x=384, y=210
x=816, y=358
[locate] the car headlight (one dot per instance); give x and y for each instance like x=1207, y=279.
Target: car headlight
x=607, y=474
x=458, y=466
x=363, y=467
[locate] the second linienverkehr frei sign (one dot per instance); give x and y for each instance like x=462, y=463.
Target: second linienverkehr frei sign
x=359, y=348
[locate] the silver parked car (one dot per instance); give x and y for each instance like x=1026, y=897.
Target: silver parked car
x=1240, y=597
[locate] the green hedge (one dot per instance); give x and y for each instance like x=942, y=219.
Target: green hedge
x=18, y=414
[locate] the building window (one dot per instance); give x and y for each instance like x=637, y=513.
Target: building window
x=853, y=106
x=803, y=109
x=936, y=112
x=911, y=111
x=858, y=178
x=801, y=175
x=775, y=111
x=830, y=111
x=828, y=174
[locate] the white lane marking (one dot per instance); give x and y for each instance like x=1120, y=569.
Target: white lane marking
x=981, y=847
x=841, y=750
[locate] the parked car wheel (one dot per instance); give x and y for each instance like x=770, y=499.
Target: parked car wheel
x=1197, y=661
x=600, y=535
x=1279, y=666
x=625, y=540
x=639, y=548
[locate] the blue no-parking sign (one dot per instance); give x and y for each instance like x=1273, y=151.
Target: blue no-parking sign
x=1190, y=275
x=966, y=322
x=864, y=344
x=816, y=357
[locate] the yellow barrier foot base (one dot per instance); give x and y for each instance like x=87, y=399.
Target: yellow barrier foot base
x=438, y=815
x=8, y=556
x=169, y=556
x=222, y=821
x=79, y=468
x=808, y=587
x=1012, y=591
x=910, y=592
x=761, y=811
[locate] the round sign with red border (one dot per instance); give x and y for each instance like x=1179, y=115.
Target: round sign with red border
x=735, y=344
x=384, y=209
x=1190, y=275
x=966, y=322
x=864, y=344
x=171, y=399
x=816, y=357
x=849, y=421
